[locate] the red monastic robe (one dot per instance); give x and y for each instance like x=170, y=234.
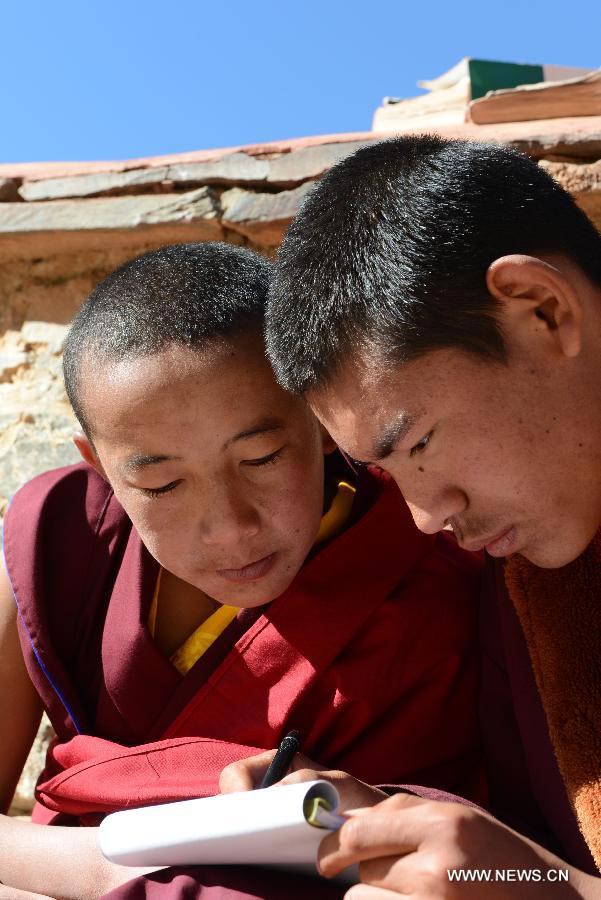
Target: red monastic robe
x=370, y=653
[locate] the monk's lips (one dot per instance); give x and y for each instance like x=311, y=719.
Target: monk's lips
x=251, y=572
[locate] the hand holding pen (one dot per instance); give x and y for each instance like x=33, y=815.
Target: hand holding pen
x=247, y=774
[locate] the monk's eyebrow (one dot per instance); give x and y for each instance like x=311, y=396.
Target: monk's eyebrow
x=142, y=460
x=262, y=427
x=391, y=435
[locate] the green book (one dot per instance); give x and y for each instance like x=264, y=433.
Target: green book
x=487, y=75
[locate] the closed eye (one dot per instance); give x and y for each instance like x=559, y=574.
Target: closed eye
x=165, y=489
x=268, y=460
x=421, y=444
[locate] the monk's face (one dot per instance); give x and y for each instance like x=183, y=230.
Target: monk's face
x=220, y=471
x=507, y=454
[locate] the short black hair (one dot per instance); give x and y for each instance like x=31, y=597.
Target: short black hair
x=186, y=294
x=389, y=254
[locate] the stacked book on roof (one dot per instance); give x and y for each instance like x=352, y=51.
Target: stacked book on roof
x=485, y=92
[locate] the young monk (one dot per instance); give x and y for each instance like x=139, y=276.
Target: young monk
x=214, y=574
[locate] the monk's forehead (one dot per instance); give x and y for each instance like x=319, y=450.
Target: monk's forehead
x=100, y=371
x=215, y=385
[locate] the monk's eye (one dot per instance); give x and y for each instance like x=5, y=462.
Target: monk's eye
x=158, y=492
x=268, y=460
x=421, y=444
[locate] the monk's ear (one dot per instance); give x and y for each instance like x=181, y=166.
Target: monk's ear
x=540, y=297
x=88, y=452
x=328, y=442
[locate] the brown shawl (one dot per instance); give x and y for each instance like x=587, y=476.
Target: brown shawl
x=560, y=613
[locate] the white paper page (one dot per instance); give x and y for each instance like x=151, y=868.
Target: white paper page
x=261, y=827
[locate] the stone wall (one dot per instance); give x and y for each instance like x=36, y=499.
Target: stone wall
x=63, y=227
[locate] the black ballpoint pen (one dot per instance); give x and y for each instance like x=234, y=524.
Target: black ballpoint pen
x=280, y=763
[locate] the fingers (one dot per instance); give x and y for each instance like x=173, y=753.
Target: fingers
x=394, y=827
x=304, y=774
x=245, y=774
x=352, y=792
x=307, y=773
x=361, y=837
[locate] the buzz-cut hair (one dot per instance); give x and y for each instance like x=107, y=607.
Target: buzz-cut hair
x=387, y=259
x=187, y=294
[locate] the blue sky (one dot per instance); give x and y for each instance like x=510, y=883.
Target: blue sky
x=105, y=80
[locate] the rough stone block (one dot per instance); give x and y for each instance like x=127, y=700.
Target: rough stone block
x=47, y=333
x=583, y=181
x=32, y=442
x=232, y=168
x=10, y=362
x=36, y=422
x=107, y=212
x=310, y=162
x=577, y=178
x=89, y=185
x=108, y=225
x=259, y=216
x=23, y=800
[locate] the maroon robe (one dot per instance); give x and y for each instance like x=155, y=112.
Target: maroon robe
x=369, y=653
x=526, y=787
